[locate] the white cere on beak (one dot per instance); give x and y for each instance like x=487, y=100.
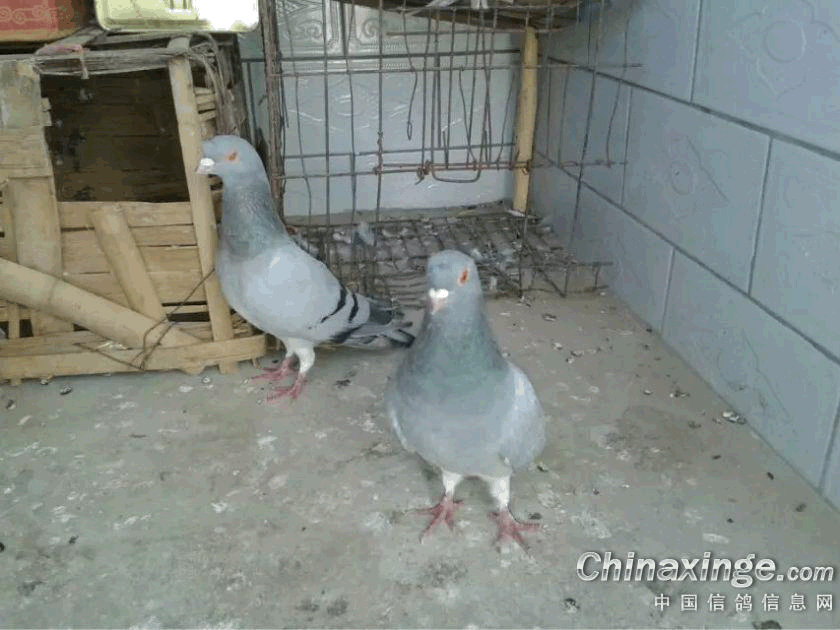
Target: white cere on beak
x=437, y=298
x=204, y=166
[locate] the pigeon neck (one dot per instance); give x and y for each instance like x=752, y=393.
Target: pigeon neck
x=250, y=222
x=464, y=341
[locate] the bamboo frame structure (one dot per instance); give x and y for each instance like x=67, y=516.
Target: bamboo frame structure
x=118, y=270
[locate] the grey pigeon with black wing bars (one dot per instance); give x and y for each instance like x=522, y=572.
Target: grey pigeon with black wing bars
x=277, y=286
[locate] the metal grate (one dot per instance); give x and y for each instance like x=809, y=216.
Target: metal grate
x=387, y=259
x=423, y=97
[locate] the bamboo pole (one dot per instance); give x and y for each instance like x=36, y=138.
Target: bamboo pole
x=126, y=262
x=13, y=309
x=189, y=132
x=40, y=291
x=32, y=199
x=11, y=254
x=526, y=119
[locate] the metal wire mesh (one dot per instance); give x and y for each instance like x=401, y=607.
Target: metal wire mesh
x=454, y=133
x=514, y=253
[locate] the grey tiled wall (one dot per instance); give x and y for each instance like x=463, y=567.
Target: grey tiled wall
x=724, y=220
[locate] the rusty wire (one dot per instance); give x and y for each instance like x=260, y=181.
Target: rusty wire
x=508, y=263
x=451, y=90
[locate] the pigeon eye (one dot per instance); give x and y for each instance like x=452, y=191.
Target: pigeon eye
x=231, y=157
x=462, y=278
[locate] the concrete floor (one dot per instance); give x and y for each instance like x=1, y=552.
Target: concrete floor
x=165, y=500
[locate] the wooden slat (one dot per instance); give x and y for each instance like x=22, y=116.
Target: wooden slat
x=189, y=131
x=183, y=309
x=23, y=153
x=188, y=358
x=83, y=255
x=151, y=238
x=74, y=213
x=164, y=235
x=169, y=308
x=120, y=248
x=148, y=228
x=205, y=101
x=171, y=286
x=60, y=343
x=46, y=118
x=20, y=95
x=6, y=311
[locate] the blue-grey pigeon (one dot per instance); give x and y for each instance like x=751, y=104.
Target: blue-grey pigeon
x=458, y=403
x=275, y=285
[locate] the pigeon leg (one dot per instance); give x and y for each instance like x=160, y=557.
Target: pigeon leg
x=444, y=511
x=278, y=373
x=306, y=354
x=509, y=527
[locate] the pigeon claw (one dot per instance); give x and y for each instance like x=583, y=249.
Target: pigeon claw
x=509, y=527
x=443, y=512
x=275, y=374
x=292, y=392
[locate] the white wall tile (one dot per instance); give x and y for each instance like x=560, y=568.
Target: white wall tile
x=551, y=83
x=774, y=63
x=641, y=259
x=831, y=486
x=607, y=131
x=657, y=36
x=553, y=193
x=797, y=266
x=784, y=387
x=697, y=180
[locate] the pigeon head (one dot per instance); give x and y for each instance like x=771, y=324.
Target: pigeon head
x=229, y=156
x=453, y=279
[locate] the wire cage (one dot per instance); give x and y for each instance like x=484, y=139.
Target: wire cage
x=367, y=98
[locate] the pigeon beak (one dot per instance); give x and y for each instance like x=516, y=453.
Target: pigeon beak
x=437, y=298
x=205, y=165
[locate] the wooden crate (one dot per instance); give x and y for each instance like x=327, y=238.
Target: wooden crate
x=106, y=285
